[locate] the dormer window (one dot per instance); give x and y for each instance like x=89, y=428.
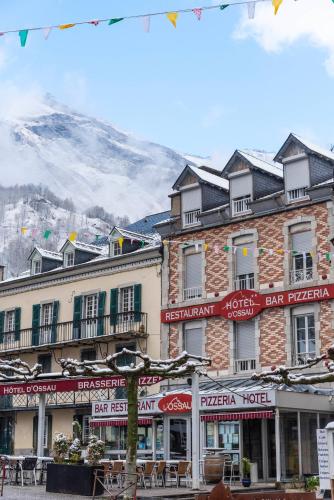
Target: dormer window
x=296, y=177
x=296, y=194
x=116, y=249
x=191, y=206
x=191, y=218
x=36, y=266
x=69, y=259
x=241, y=205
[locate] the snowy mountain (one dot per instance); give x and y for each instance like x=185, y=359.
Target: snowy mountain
x=87, y=160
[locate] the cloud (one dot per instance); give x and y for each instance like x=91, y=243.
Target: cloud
x=212, y=116
x=310, y=20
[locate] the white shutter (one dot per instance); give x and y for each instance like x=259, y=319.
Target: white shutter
x=241, y=186
x=191, y=199
x=193, y=271
x=245, y=264
x=193, y=339
x=245, y=340
x=296, y=174
x=302, y=242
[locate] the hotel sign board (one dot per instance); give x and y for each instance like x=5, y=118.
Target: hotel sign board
x=243, y=305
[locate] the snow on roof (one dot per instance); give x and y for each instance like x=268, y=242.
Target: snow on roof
x=329, y=181
x=270, y=195
x=313, y=147
x=216, y=180
x=86, y=247
x=258, y=162
x=49, y=255
x=130, y=235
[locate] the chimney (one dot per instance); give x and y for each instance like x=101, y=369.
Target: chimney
x=2, y=272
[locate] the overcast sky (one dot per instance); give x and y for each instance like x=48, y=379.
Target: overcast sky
x=205, y=87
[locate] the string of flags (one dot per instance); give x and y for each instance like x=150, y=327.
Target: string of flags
x=172, y=17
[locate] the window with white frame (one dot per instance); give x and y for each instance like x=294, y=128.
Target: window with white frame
x=241, y=205
x=244, y=265
x=303, y=336
x=126, y=303
x=116, y=248
x=46, y=322
x=244, y=341
x=69, y=258
x=192, y=274
x=193, y=338
x=301, y=257
x=191, y=206
x=36, y=266
x=9, y=336
x=296, y=179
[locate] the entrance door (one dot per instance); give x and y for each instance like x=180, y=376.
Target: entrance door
x=89, y=326
x=6, y=435
x=179, y=443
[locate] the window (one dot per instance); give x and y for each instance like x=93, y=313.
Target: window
x=192, y=288
x=36, y=266
x=116, y=249
x=244, y=338
x=45, y=360
x=296, y=178
x=296, y=194
x=9, y=336
x=191, y=206
x=46, y=322
x=89, y=324
x=193, y=338
x=304, y=338
x=244, y=266
x=126, y=299
x=88, y=355
x=302, y=262
x=191, y=218
x=69, y=259
x=90, y=306
x=241, y=205
x=85, y=428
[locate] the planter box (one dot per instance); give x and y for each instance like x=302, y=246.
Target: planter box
x=73, y=479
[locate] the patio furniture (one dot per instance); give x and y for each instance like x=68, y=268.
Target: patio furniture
x=147, y=471
x=116, y=473
x=160, y=473
x=231, y=470
x=28, y=468
x=181, y=471
x=107, y=472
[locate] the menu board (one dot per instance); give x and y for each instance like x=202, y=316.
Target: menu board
x=323, y=459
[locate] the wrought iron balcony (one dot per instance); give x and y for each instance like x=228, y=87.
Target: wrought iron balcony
x=245, y=365
x=301, y=275
x=244, y=282
x=302, y=358
x=120, y=326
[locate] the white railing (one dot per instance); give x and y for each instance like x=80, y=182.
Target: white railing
x=192, y=293
x=242, y=205
x=302, y=358
x=244, y=282
x=191, y=218
x=300, y=275
x=245, y=365
x=296, y=194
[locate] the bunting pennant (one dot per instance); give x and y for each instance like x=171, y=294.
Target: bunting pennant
x=46, y=234
x=23, y=34
x=95, y=22
x=115, y=20
x=120, y=241
x=172, y=16
x=142, y=244
x=251, y=10
x=147, y=23
x=276, y=5
x=66, y=26
x=245, y=251
x=24, y=230
x=224, y=6
x=46, y=32
x=198, y=13
x=205, y=247
x=73, y=236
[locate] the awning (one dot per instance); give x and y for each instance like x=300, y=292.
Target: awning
x=117, y=422
x=246, y=415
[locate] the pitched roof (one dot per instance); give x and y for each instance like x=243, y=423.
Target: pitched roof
x=257, y=160
x=311, y=148
x=130, y=235
x=146, y=224
x=47, y=254
x=85, y=247
x=203, y=175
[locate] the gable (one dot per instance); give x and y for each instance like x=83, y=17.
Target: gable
x=188, y=179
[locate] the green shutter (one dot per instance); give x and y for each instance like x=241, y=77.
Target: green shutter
x=101, y=306
x=113, y=306
x=2, y=325
x=55, y=311
x=137, y=302
x=17, y=323
x=36, y=313
x=77, y=312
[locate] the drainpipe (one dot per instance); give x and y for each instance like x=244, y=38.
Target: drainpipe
x=41, y=425
x=195, y=428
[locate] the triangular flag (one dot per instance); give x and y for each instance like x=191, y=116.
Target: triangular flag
x=276, y=5
x=142, y=244
x=261, y=251
x=251, y=10
x=147, y=23
x=95, y=22
x=205, y=247
x=24, y=230
x=198, y=13
x=97, y=237
x=46, y=32
x=73, y=236
x=46, y=234
x=245, y=251
x=120, y=241
x=328, y=256
x=115, y=20
x=23, y=34
x=66, y=26
x=165, y=242
x=172, y=16
x=224, y=6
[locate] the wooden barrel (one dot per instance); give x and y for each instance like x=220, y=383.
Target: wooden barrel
x=213, y=468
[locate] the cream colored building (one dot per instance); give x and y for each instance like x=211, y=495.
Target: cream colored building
x=84, y=302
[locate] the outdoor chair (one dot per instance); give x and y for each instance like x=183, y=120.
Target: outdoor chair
x=160, y=473
x=181, y=471
x=231, y=470
x=107, y=467
x=28, y=467
x=116, y=473
x=147, y=472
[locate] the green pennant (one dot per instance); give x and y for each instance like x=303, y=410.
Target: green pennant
x=261, y=251
x=115, y=20
x=294, y=252
x=142, y=244
x=97, y=237
x=226, y=248
x=328, y=257
x=23, y=34
x=224, y=6
x=46, y=234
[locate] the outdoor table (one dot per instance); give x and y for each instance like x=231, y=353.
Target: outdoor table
x=15, y=461
x=44, y=460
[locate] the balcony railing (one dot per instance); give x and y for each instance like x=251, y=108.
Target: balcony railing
x=192, y=293
x=301, y=275
x=244, y=282
x=241, y=206
x=302, y=358
x=121, y=325
x=245, y=365
x=296, y=194
x=191, y=218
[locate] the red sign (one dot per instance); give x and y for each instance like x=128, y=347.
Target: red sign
x=67, y=385
x=175, y=403
x=242, y=305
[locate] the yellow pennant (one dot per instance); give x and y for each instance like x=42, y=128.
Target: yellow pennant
x=65, y=26
x=73, y=236
x=277, y=4
x=280, y=251
x=245, y=251
x=120, y=241
x=205, y=247
x=165, y=242
x=172, y=16
x=24, y=230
